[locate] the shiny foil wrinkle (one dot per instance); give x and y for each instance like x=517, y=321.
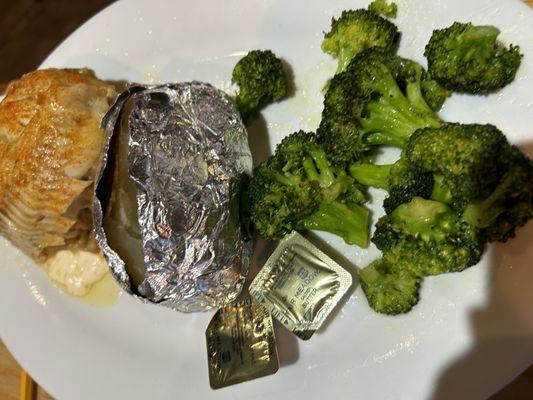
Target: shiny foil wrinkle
x=187, y=153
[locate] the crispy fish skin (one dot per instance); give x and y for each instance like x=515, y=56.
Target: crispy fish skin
x=50, y=147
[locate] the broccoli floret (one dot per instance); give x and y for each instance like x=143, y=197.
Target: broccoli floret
x=383, y=7
x=389, y=115
x=510, y=205
x=298, y=189
x=261, y=80
x=339, y=130
x=389, y=290
x=355, y=31
x=468, y=58
x=428, y=238
x=378, y=100
x=462, y=157
x=421, y=89
x=402, y=180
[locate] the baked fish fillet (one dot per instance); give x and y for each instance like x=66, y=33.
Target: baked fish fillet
x=50, y=146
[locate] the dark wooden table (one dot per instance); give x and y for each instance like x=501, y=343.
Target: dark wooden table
x=39, y=27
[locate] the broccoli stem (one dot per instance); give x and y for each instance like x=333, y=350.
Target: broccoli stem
x=318, y=168
x=415, y=96
x=371, y=174
x=287, y=179
x=347, y=221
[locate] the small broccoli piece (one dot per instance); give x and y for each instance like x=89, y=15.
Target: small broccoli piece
x=510, y=205
x=434, y=94
x=462, y=157
x=261, y=81
x=355, y=31
x=468, y=58
x=389, y=290
x=279, y=201
x=378, y=100
x=298, y=189
x=339, y=130
x=402, y=180
x=427, y=238
x=383, y=7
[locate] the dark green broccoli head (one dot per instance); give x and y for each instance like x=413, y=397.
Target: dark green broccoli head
x=298, y=189
x=383, y=7
x=388, y=289
x=510, y=205
x=279, y=201
x=428, y=238
x=355, y=31
x=405, y=182
x=261, y=80
x=468, y=58
x=339, y=129
x=463, y=158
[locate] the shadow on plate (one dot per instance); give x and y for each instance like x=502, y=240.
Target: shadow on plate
x=289, y=74
x=258, y=139
x=287, y=343
x=502, y=330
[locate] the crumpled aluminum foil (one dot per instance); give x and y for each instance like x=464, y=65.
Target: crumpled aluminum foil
x=188, y=148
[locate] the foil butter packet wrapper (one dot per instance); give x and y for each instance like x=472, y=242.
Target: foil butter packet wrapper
x=300, y=285
x=241, y=344
x=166, y=208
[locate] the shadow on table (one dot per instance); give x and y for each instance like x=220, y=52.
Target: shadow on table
x=31, y=29
x=502, y=329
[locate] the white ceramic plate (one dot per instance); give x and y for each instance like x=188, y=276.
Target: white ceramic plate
x=471, y=333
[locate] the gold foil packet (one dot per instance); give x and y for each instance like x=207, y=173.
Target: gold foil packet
x=241, y=345
x=300, y=285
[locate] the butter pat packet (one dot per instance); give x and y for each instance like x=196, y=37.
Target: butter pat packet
x=241, y=344
x=300, y=285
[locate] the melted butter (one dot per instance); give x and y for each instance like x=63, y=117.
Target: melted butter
x=76, y=270
x=104, y=293
x=84, y=275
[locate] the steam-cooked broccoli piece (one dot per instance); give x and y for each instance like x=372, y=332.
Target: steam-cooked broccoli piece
x=388, y=289
x=298, y=189
x=402, y=180
x=464, y=158
x=378, y=100
x=468, y=58
x=510, y=205
x=261, y=80
x=355, y=31
x=340, y=130
x=428, y=238
x=383, y=7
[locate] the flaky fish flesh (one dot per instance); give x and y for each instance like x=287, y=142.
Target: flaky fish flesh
x=50, y=147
